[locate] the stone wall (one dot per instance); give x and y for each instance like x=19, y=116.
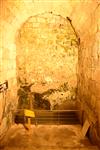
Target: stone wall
x=85, y=19
x=8, y=98
x=47, y=55
x=89, y=74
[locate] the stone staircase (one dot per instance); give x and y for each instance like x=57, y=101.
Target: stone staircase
x=54, y=117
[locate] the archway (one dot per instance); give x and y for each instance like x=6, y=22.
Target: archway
x=47, y=57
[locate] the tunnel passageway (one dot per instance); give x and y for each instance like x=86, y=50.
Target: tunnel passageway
x=50, y=61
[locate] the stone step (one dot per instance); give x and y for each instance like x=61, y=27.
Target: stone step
x=50, y=117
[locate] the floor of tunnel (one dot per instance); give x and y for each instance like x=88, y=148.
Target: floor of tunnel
x=46, y=137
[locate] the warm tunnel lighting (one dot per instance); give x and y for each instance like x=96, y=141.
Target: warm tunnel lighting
x=49, y=54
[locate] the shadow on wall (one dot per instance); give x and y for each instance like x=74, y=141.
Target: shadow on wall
x=61, y=98
x=47, y=54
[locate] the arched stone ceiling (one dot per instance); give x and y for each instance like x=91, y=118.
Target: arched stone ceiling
x=15, y=12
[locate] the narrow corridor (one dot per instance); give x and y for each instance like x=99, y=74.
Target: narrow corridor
x=49, y=61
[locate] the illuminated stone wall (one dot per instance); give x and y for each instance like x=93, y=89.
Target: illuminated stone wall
x=85, y=19
x=89, y=73
x=47, y=54
x=47, y=50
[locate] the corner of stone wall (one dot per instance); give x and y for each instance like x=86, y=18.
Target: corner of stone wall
x=8, y=105
x=94, y=129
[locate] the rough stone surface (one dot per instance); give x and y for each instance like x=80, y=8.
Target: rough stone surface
x=47, y=55
x=85, y=18
x=46, y=138
x=89, y=66
x=47, y=50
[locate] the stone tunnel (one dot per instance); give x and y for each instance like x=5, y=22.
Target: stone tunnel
x=50, y=53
